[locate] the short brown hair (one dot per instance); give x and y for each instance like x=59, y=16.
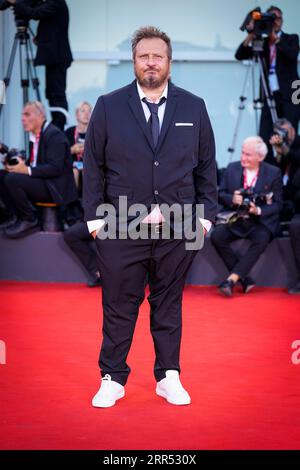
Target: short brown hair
x=149, y=32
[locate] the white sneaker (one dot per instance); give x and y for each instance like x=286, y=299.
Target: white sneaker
x=171, y=389
x=108, y=393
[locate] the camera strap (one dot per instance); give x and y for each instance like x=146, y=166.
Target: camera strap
x=273, y=54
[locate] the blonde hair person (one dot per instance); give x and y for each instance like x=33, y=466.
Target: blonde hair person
x=76, y=137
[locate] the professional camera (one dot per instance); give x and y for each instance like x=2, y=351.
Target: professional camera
x=247, y=197
x=261, y=24
x=10, y=156
x=21, y=23
x=259, y=199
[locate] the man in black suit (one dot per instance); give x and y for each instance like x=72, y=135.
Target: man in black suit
x=280, y=52
x=256, y=219
x=153, y=143
x=46, y=177
x=53, y=48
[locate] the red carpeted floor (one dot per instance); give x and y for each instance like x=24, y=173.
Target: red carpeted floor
x=236, y=364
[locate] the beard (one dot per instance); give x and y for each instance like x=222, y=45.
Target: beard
x=151, y=82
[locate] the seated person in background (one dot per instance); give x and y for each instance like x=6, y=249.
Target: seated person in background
x=286, y=145
x=79, y=239
x=295, y=230
x=254, y=189
x=46, y=177
x=76, y=137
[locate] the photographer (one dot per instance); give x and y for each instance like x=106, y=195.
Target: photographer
x=286, y=145
x=46, y=177
x=280, y=53
x=253, y=189
x=53, y=48
x=295, y=231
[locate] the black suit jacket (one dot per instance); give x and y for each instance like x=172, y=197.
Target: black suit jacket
x=286, y=61
x=269, y=180
x=54, y=165
x=119, y=157
x=52, y=34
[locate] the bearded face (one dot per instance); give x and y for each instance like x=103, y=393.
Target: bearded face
x=151, y=63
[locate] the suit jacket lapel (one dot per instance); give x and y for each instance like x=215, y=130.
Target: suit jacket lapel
x=238, y=178
x=137, y=110
x=171, y=105
x=39, y=154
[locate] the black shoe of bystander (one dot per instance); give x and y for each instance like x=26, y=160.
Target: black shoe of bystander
x=22, y=228
x=295, y=290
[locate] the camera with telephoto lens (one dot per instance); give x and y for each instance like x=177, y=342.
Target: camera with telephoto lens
x=22, y=24
x=258, y=23
x=10, y=156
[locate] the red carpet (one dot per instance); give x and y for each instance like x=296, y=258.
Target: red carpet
x=236, y=361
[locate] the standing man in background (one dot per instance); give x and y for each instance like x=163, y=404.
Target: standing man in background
x=53, y=48
x=153, y=143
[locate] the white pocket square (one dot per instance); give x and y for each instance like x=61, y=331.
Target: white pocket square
x=189, y=124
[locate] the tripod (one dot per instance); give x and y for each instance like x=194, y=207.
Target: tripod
x=258, y=60
x=27, y=69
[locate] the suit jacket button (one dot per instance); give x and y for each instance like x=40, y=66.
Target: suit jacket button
x=155, y=192
x=156, y=163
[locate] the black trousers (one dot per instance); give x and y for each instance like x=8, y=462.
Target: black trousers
x=80, y=241
x=295, y=239
x=56, y=82
x=221, y=238
x=124, y=265
x=19, y=191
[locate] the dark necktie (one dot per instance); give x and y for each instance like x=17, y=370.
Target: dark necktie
x=154, y=121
